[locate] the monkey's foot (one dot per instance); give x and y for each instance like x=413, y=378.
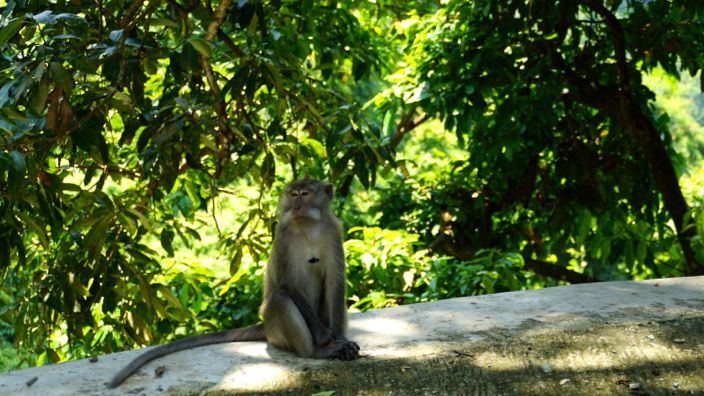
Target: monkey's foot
x=348, y=350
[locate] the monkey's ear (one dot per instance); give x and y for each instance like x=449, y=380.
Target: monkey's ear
x=328, y=189
x=306, y=177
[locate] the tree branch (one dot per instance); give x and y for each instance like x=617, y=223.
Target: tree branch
x=230, y=44
x=218, y=19
x=618, y=37
x=129, y=14
x=407, y=126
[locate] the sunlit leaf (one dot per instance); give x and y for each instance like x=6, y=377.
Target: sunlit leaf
x=9, y=31
x=41, y=233
x=142, y=219
x=18, y=161
x=116, y=35
x=315, y=147
x=45, y=17
x=201, y=46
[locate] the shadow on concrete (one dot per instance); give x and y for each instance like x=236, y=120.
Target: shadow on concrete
x=606, y=338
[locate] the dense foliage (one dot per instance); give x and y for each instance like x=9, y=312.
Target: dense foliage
x=143, y=145
x=559, y=130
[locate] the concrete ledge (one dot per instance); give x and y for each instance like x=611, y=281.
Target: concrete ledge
x=601, y=338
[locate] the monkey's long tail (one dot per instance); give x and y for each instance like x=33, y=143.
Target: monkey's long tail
x=250, y=333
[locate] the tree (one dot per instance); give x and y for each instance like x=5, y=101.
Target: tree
x=564, y=150
x=119, y=121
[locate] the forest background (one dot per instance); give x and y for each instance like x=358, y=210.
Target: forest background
x=475, y=147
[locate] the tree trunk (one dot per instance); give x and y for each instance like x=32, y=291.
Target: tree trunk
x=640, y=126
x=622, y=107
x=623, y=110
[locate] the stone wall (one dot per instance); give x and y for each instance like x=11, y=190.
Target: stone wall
x=601, y=338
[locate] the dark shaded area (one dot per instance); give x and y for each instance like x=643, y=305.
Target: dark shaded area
x=483, y=368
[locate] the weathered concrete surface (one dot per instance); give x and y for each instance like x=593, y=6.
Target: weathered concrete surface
x=603, y=338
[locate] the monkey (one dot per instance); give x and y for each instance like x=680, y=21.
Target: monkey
x=303, y=305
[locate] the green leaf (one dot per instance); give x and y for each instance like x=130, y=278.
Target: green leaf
x=184, y=294
x=236, y=261
x=268, y=169
x=5, y=245
x=69, y=17
x=388, y=124
x=22, y=86
x=61, y=76
x=641, y=251
x=89, y=136
x=143, y=219
x=167, y=238
x=202, y=46
x=45, y=17
x=10, y=30
x=122, y=102
x=116, y=35
x=95, y=239
x=18, y=161
x=168, y=295
x=315, y=147
x=193, y=193
x=40, y=95
x=77, y=286
x=4, y=99
x=41, y=233
x=128, y=223
x=361, y=170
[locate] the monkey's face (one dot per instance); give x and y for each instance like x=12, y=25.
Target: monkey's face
x=305, y=201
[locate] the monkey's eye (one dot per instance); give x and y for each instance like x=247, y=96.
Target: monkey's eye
x=293, y=194
x=304, y=193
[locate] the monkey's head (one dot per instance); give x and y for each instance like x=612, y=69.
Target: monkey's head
x=305, y=201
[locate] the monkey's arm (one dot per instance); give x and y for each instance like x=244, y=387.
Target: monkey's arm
x=335, y=295
x=250, y=333
x=334, y=309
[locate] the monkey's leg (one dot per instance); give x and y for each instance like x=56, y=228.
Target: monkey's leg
x=285, y=327
x=321, y=334
x=327, y=343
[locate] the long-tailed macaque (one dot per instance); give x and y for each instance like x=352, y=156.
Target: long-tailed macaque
x=303, y=306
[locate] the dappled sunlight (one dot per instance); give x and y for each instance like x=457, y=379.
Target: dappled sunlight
x=596, y=348
x=254, y=375
x=372, y=331
x=247, y=349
